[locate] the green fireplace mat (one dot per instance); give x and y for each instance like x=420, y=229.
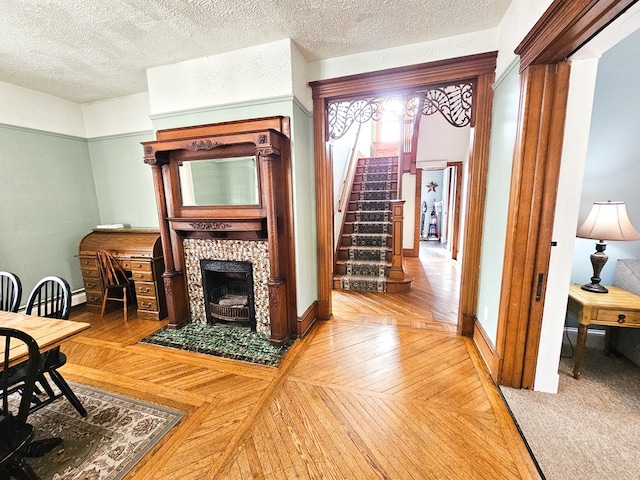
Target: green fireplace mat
x=227, y=341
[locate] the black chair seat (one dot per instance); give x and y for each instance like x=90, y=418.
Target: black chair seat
x=16, y=434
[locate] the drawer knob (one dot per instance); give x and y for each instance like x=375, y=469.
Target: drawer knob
x=91, y=285
x=143, y=290
x=621, y=318
x=145, y=304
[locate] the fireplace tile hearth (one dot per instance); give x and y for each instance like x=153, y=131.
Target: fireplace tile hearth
x=236, y=343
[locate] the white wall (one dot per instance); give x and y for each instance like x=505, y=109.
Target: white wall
x=409, y=196
x=254, y=73
x=35, y=110
x=518, y=20
x=444, y=48
x=441, y=141
x=122, y=115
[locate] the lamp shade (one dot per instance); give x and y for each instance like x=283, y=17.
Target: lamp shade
x=608, y=221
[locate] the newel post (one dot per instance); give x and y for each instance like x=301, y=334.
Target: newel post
x=396, y=271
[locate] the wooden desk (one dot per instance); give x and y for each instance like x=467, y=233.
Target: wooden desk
x=618, y=308
x=139, y=252
x=47, y=332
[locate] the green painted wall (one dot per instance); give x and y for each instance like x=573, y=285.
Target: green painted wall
x=124, y=184
x=503, y=138
x=56, y=188
x=304, y=193
x=48, y=203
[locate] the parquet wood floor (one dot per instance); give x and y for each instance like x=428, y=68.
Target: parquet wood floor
x=383, y=390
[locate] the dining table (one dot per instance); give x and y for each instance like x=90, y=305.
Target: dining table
x=47, y=332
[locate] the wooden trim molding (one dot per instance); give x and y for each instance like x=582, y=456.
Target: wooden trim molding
x=565, y=26
x=478, y=68
x=456, y=213
x=307, y=320
x=485, y=347
x=415, y=250
x=474, y=221
x=404, y=78
x=534, y=178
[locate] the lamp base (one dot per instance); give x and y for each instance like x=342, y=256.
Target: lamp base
x=598, y=260
x=595, y=288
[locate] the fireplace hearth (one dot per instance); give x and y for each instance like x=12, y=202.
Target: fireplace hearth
x=228, y=292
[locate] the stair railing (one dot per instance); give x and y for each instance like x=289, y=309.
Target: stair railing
x=347, y=183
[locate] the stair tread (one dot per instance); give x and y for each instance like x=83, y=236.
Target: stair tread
x=367, y=234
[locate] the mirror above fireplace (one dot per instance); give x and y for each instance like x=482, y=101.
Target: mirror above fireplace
x=219, y=181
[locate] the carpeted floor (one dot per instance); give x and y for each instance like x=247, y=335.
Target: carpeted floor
x=237, y=343
x=117, y=432
x=590, y=430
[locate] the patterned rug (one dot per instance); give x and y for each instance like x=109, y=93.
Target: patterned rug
x=105, y=445
x=227, y=341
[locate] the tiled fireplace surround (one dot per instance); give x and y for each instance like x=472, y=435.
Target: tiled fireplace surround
x=254, y=252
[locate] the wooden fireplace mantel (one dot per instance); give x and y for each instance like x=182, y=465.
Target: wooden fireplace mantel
x=269, y=218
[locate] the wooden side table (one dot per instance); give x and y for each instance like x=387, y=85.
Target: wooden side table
x=618, y=308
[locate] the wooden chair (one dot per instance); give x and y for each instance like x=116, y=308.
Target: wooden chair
x=51, y=298
x=10, y=292
x=114, y=277
x=15, y=433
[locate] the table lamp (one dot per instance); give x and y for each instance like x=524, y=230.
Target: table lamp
x=606, y=221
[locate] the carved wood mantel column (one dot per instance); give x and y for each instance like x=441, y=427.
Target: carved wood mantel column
x=174, y=282
x=269, y=160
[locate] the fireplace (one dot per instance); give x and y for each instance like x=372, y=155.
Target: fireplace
x=228, y=292
x=224, y=193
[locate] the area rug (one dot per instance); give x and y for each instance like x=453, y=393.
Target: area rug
x=105, y=445
x=227, y=341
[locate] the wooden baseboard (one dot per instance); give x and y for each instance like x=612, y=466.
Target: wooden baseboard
x=411, y=252
x=486, y=349
x=308, y=318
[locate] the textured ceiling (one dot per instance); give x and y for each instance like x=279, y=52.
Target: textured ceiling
x=90, y=50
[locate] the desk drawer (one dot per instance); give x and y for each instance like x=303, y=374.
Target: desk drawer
x=92, y=284
x=147, y=303
x=89, y=262
x=136, y=265
x=142, y=276
x=147, y=289
x=618, y=317
x=90, y=272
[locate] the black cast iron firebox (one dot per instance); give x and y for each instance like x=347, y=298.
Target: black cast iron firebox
x=228, y=292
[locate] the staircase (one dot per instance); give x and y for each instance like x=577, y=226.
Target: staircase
x=365, y=253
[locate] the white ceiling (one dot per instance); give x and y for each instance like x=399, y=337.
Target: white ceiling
x=90, y=50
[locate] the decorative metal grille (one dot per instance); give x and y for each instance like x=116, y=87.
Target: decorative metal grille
x=454, y=102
